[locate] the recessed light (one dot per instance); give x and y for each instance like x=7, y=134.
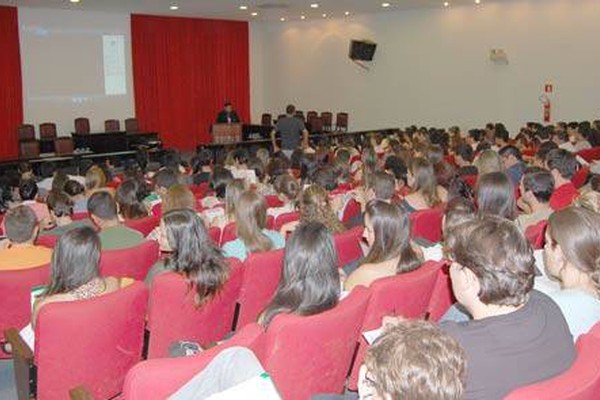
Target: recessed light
x=174, y=7
x=243, y=7
x=347, y=13
x=282, y=19
x=74, y=1
x=385, y=5
x=477, y=1
x=314, y=5
x=324, y=15
x=303, y=17
x=254, y=14
x=446, y=4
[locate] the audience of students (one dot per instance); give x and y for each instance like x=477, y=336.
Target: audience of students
x=563, y=166
x=426, y=193
x=536, y=188
x=60, y=207
x=496, y=195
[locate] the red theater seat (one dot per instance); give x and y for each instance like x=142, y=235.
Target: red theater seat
x=535, y=234
x=173, y=314
x=134, y=262
x=427, y=224
x=347, y=245
x=15, y=300
x=143, y=225
x=262, y=272
x=407, y=295
x=92, y=343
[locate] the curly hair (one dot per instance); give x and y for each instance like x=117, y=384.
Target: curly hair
x=316, y=207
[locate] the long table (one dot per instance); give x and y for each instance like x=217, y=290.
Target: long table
x=110, y=142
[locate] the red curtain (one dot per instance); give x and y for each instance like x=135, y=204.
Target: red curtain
x=184, y=70
x=11, y=90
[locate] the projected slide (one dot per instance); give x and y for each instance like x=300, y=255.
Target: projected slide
x=75, y=64
x=115, y=80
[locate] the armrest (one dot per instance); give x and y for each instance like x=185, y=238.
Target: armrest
x=80, y=393
x=25, y=370
x=19, y=347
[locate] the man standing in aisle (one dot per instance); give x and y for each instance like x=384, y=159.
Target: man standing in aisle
x=290, y=128
x=227, y=115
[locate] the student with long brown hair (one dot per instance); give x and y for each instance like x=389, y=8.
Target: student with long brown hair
x=191, y=254
x=496, y=196
x=572, y=256
x=387, y=232
x=426, y=193
x=310, y=282
x=251, y=222
x=315, y=206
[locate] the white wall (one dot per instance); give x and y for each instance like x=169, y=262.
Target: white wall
x=63, y=66
x=432, y=67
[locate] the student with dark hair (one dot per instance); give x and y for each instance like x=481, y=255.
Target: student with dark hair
x=19, y=250
x=290, y=129
x=130, y=199
x=516, y=333
x=252, y=234
x=28, y=192
x=76, y=193
x=464, y=156
x=395, y=166
x=512, y=160
x=502, y=137
x=60, y=207
x=563, y=166
x=542, y=152
x=310, y=281
x=192, y=254
x=163, y=180
x=387, y=232
x=113, y=235
x=496, y=196
x=219, y=180
x=227, y=115
x=74, y=274
x=288, y=190
x=426, y=193
x=537, y=186
x=473, y=138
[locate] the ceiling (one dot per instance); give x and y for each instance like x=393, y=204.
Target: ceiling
x=229, y=9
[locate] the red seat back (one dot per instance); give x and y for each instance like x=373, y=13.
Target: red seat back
x=580, y=382
x=581, y=177
x=283, y=219
x=347, y=245
x=160, y=378
x=133, y=262
x=112, y=125
x=273, y=201
x=228, y=234
x=215, y=235
x=143, y=225
x=351, y=210
x=48, y=130
x=78, y=216
x=47, y=241
x=173, y=314
x=442, y=297
x=262, y=272
x=82, y=125
x=536, y=234
x=131, y=125
x=590, y=155
x=15, y=300
x=89, y=342
x=427, y=224
x=406, y=294
x=310, y=355
x=26, y=132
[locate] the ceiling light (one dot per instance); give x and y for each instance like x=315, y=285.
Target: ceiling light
x=347, y=13
x=174, y=7
x=243, y=7
x=477, y=1
x=302, y=17
x=282, y=19
x=446, y=4
x=74, y=1
x=254, y=14
x=385, y=5
x=324, y=15
x=314, y=5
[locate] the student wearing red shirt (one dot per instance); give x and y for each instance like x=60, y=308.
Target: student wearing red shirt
x=563, y=166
